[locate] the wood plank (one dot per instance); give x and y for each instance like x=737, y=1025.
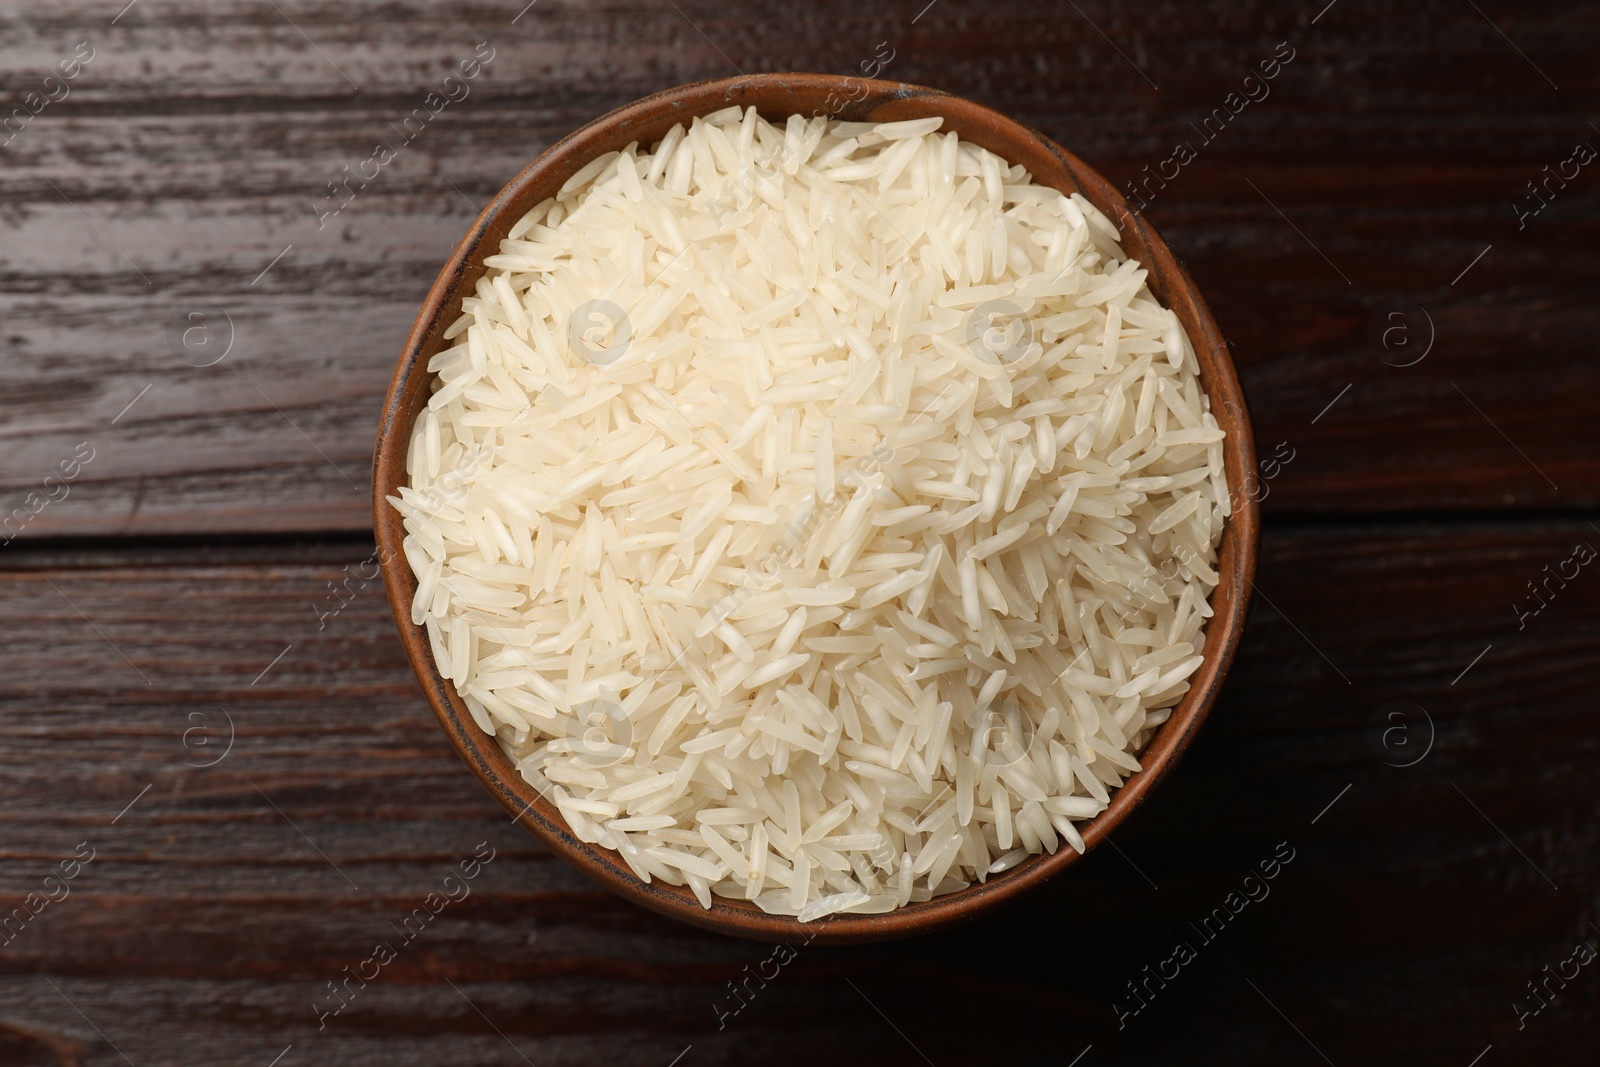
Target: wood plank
x=217, y=909
x=198, y=147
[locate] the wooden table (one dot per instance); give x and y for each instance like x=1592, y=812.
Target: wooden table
x=198, y=688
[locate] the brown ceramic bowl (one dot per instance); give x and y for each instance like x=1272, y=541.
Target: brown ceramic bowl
x=777, y=96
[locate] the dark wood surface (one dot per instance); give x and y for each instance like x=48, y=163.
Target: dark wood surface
x=147, y=610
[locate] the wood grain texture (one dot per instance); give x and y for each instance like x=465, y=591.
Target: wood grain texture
x=221, y=902
x=196, y=147
x=1380, y=175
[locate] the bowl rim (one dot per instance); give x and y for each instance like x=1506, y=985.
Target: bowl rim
x=882, y=101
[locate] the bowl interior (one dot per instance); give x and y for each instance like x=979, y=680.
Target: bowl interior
x=776, y=96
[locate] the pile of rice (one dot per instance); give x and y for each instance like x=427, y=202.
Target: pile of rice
x=822, y=515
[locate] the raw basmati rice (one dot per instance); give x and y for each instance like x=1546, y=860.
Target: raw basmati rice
x=822, y=515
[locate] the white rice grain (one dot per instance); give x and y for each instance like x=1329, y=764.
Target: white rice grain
x=806, y=593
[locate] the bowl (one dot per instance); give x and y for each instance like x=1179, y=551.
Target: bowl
x=849, y=99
